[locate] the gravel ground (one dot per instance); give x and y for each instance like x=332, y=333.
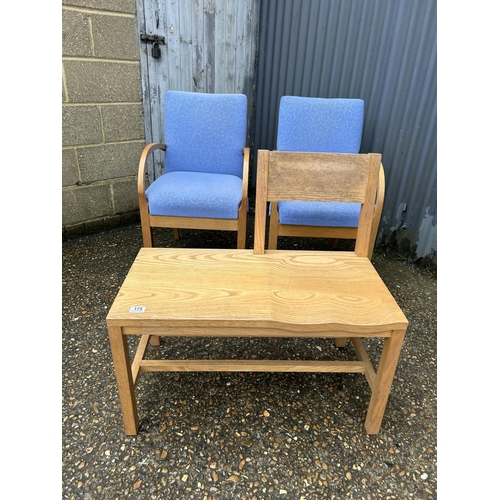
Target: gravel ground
x=240, y=435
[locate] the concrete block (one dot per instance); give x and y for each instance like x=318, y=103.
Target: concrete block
x=70, y=173
x=127, y=6
x=102, y=81
x=76, y=39
x=109, y=161
x=125, y=195
x=115, y=37
x=122, y=122
x=81, y=125
x=85, y=203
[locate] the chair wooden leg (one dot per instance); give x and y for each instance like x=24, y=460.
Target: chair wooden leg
x=176, y=234
x=383, y=382
x=272, y=242
x=241, y=241
x=154, y=340
x=340, y=342
x=147, y=234
x=242, y=228
x=124, y=379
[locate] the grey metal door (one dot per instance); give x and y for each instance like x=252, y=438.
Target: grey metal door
x=194, y=45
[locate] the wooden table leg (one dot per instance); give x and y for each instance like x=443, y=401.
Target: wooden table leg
x=126, y=389
x=383, y=382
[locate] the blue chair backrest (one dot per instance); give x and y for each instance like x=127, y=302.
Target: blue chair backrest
x=320, y=125
x=205, y=132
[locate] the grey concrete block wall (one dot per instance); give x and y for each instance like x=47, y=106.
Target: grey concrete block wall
x=102, y=120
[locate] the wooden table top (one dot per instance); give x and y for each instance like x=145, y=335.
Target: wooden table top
x=296, y=291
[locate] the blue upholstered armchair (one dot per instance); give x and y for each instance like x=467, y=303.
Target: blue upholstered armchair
x=205, y=183
x=320, y=125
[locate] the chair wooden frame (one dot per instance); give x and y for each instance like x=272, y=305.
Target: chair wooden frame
x=276, y=229
x=266, y=293
x=149, y=221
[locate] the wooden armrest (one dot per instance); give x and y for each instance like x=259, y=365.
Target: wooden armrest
x=244, y=187
x=377, y=214
x=142, y=165
x=380, y=195
x=143, y=203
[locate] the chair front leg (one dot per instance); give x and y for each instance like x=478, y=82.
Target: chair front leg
x=147, y=234
x=242, y=226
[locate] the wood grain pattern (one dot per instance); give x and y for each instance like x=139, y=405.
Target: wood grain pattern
x=351, y=178
x=317, y=177
x=322, y=177
x=281, y=289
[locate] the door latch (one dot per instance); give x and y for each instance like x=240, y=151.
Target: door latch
x=156, y=41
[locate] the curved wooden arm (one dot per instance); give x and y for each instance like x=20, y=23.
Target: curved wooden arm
x=380, y=195
x=377, y=214
x=244, y=187
x=142, y=164
x=143, y=203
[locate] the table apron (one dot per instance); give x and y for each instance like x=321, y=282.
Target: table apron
x=239, y=332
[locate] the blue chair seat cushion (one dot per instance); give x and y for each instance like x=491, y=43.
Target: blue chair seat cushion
x=195, y=194
x=319, y=213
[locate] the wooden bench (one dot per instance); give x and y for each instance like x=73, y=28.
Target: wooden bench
x=259, y=293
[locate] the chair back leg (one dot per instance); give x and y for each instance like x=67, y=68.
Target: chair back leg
x=272, y=243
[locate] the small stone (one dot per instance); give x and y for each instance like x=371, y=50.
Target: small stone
x=164, y=454
x=266, y=413
x=234, y=478
x=424, y=476
x=348, y=475
x=137, y=484
x=184, y=478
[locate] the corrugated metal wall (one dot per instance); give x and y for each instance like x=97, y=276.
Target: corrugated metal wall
x=384, y=52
